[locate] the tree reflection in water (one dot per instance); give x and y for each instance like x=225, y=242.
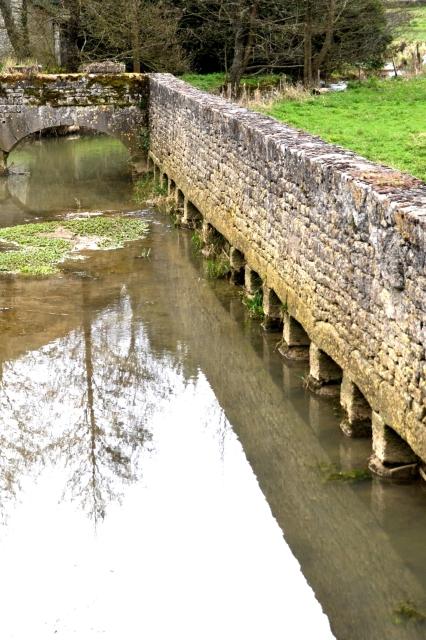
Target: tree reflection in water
x=83, y=402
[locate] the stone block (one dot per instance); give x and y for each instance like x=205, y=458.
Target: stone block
x=388, y=447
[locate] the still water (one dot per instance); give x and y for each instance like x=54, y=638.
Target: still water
x=160, y=470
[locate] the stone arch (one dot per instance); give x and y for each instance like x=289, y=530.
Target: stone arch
x=121, y=123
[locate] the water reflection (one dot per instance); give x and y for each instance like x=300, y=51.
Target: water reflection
x=140, y=394
x=93, y=173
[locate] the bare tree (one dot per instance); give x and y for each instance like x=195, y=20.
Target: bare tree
x=142, y=31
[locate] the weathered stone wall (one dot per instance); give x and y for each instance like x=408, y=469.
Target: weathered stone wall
x=114, y=104
x=339, y=239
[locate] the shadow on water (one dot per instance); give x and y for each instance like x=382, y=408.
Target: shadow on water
x=90, y=363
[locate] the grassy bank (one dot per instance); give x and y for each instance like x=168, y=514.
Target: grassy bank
x=213, y=82
x=415, y=30
x=37, y=249
x=384, y=121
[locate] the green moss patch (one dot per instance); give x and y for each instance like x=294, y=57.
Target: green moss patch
x=407, y=612
x=38, y=249
x=331, y=473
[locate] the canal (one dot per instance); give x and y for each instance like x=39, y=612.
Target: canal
x=163, y=472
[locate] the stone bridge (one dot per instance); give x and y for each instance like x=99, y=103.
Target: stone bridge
x=112, y=104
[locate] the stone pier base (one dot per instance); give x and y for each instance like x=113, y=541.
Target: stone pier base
x=272, y=309
x=357, y=423
x=252, y=282
x=324, y=374
x=191, y=216
x=3, y=163
x=392, y=457
x=295, y=342
x=237, y=262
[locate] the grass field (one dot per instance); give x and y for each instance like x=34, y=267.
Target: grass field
x=212, y=82
x=415, y=31
x=384, y=121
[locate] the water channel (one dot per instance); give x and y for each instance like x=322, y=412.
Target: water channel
x=162, y=469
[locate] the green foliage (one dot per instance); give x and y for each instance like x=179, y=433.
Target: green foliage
x=147, y=189
x=383, y=120
x=254, y=305
x=34, y=252
x=144, y=139
x=331, y=473
x=407, y=612
x=217, y=268
x=197, y=242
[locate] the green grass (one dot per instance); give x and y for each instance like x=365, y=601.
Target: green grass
x=38, y=255
x=254, y=305
x=217, y=268
x=197, y=242
x=212, y=82
x=384, y=121
x=415, y=30
x=147, y=189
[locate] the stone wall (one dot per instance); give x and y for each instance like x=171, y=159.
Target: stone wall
x=114, y=104
x=340, y=240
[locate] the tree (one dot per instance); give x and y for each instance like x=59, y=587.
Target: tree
x=143, y=31
x=17, y=28
x=300, y=37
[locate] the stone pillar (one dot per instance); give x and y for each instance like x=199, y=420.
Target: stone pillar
x=272, y=309
x=3, y=163
x=237, y=262
x=171, y=187
x=191, y=215
x=295, y=342
x=252, y=282
x=392, y=457
x=325, y=375
x=180, y=199
x=357, y=423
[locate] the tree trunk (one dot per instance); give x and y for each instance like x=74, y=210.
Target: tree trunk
x=70, y=54
x=136, y=49
x=307, y=50
x=25, y=36
x=243, y=44
x=15, y=35
x=318, y=60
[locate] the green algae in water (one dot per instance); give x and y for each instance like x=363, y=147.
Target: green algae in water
x=35, y=252
x=407, y=612
x=331, y=473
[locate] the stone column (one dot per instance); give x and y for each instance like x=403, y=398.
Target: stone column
x=357, y=423
x=3, y=163
x=392, y=457
x=295, y=342
x=252, y=282
x=325, y=375
x=272, y=309
x=191, y=215
x=237, y=262
x=171, y=187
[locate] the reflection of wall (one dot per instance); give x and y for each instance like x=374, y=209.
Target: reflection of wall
x=348, y=558
x=328, y=526
x=340, y=239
